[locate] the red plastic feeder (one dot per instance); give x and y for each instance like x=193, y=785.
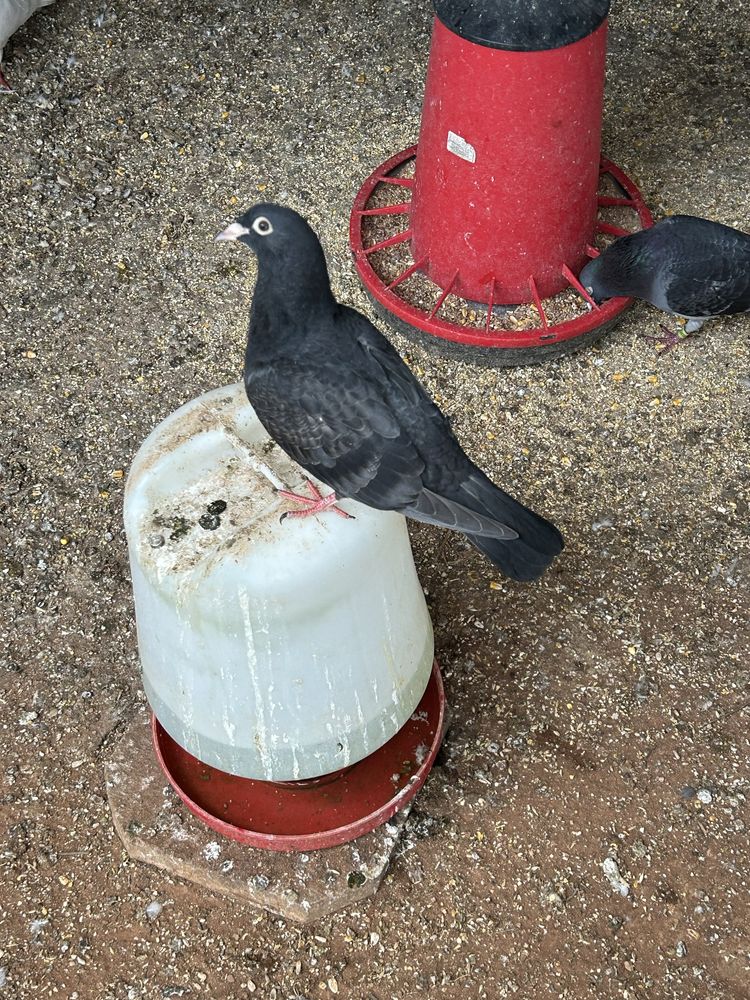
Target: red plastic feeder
x=503, y=200
x=322, y=812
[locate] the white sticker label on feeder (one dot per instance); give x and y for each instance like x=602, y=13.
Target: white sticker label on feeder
x=461, y=148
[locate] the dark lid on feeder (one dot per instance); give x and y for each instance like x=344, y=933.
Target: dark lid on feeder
x=522, y=25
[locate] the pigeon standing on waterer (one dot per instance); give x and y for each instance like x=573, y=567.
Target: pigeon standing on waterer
x=335, y=395
x=689, y=267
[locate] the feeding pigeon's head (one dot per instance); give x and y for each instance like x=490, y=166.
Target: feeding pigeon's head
x=625, y=268
x=594, y=279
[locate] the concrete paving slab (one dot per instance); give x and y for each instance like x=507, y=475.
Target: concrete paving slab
x=157, y=828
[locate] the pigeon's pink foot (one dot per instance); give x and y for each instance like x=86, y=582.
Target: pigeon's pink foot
x=669, y=341
x=316, y=503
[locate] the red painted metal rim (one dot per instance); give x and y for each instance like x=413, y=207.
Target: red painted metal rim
x=540, y=336
x=177, y=763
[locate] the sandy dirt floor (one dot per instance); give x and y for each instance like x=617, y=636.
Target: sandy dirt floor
x=599, y=718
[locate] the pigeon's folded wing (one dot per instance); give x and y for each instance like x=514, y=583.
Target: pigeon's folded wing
x=723, y=289
x=337, y=425
x=709, y=270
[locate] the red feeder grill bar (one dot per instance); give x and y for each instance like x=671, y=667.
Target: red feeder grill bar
x=322, y=812
x=502, y=208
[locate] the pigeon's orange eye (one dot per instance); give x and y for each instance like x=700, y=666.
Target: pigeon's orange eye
x=262, y=226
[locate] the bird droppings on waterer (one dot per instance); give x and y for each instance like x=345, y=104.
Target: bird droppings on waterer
x=180, y=526
x=189, y=522
x=210, y=522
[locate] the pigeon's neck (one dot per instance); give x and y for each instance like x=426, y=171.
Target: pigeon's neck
x=298, y=280
x=289, y=296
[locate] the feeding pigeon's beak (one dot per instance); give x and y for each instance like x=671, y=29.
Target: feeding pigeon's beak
x=233, y=232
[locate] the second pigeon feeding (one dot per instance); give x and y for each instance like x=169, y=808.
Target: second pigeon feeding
x=689, y=267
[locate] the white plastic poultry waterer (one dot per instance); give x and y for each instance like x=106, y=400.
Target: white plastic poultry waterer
x=275, y=653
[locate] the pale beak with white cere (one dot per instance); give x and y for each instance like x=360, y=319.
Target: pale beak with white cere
x=233, y=232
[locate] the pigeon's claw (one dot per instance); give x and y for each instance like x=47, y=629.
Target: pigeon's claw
x=316, y=503
x=669, y=341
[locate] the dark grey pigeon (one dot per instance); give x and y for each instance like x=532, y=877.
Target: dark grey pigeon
x=686, y=266
x=335, y=395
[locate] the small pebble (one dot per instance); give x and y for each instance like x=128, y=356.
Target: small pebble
x=210, y=522
x=680, y=949
x=156, y=540
x=217, y=507
x=642, y=689
x=612, y=874
x=639, y=849
x=602, y=523
x=704, y=796
x=688, y=792
x=153, y=910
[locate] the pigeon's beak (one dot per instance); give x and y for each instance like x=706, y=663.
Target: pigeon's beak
x=233, y=232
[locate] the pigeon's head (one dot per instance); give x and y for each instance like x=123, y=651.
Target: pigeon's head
x=594, y=279
x=271, y=231
x=291, y=264
x=622, y=269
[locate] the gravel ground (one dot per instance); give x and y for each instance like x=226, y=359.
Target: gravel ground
x=585, y=832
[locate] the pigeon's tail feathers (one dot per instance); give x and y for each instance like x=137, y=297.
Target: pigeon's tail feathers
x=531, y=528
x=521, y=543
x=448, y=513
x=537, y=543
x=518, y=559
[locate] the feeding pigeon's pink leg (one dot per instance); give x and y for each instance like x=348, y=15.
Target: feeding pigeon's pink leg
x=314, y=504
x=667, y=342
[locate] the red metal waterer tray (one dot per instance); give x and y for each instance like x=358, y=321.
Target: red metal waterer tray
x=305, y=816
x=482, y=341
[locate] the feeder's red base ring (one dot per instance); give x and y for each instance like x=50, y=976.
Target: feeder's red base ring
x=524, y=345
x=289, y=816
